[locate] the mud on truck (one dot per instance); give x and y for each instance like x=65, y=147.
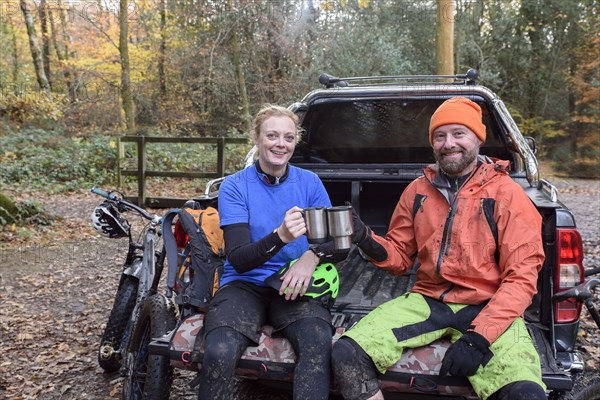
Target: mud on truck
x=366, y=140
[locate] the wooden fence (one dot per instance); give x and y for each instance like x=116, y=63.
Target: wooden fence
x=142, y=172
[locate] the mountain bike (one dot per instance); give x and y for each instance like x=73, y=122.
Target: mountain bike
x=584, y=293
x=140, y=275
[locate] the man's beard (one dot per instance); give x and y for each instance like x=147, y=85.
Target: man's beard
x=456, y=167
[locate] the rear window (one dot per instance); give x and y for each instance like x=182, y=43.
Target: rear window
x=376, y=131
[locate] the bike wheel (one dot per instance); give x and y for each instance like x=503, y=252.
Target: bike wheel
x=114, y=338
x=148, y=376
x=592, y=392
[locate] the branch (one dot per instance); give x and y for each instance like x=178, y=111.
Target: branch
x=99, y=29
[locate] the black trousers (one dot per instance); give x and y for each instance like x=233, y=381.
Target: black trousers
x=310, y=339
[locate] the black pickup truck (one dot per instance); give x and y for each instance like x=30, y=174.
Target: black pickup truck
x=366, y=139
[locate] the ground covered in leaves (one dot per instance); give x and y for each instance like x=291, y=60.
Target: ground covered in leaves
x=57, y=287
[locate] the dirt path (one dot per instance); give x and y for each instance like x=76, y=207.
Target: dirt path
x=56, y=292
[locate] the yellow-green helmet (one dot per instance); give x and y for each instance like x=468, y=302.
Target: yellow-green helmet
x=325, y=281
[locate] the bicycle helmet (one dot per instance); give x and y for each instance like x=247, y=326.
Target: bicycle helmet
x=107, y=221
x=324, y=283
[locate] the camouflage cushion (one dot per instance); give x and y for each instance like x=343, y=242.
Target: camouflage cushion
x=421, y=361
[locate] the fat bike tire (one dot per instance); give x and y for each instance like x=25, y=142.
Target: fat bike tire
x=147, y=376
x=109, y=356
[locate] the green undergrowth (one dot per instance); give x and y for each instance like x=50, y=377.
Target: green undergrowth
x=50, y=161
x=53, y=161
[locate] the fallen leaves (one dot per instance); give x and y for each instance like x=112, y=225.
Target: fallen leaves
x=24, y=336
x=51, y=323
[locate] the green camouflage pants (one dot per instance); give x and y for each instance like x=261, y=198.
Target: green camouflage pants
x=414, y=320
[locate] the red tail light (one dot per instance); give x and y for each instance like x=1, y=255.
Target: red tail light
x=569, y=256
x=180, y=236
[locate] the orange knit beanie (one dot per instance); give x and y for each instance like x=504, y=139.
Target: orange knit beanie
x=458, y=110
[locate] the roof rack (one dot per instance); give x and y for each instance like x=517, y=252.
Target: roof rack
x=469, y=78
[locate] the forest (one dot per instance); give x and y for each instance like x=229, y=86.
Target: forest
x=74, y=74
x=77, y=75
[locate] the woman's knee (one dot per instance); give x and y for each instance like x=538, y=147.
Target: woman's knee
x=222, y=348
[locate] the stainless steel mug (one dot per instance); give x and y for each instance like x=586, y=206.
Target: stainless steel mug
x=341, y=228
x=316, y=224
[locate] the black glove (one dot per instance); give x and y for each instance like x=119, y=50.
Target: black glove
x=360, y=229
x=464, y=356
x=363, y=239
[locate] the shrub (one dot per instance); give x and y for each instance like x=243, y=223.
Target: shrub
x=32, y=108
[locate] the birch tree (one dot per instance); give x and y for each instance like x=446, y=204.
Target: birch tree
x=34, y=45
x=43, y=13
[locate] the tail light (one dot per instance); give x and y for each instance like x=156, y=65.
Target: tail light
x=181, y=237
x=569, y=273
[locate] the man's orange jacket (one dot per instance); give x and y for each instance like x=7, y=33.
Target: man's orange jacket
x=484, y=244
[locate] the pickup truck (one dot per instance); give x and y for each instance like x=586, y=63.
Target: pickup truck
x=366, y=139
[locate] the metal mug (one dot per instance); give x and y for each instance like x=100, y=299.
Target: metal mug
x=341, y=227
x=316, y=224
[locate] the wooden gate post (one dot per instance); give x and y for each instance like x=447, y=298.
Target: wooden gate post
x=221, y=156
x=141, y=150
x=120, y=157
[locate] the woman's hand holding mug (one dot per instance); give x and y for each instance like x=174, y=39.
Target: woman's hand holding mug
x=293, y=225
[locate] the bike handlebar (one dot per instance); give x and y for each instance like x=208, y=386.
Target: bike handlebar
x=104, y=194
x=124, y=203
x=592, y=271
x=580, y=292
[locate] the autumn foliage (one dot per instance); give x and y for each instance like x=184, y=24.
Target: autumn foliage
x=199, y=68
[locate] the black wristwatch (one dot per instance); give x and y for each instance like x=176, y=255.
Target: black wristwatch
x=319, y=253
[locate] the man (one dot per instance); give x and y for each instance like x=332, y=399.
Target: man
x=478, y=238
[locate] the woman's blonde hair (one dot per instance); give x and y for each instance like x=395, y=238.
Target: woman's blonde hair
x=271, y=110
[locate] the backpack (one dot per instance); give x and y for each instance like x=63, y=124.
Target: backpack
x=195, y=254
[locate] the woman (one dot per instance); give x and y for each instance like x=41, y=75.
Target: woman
x=260, y=209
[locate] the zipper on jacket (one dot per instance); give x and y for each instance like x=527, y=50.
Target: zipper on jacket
x=444, y=248
x=446, y=236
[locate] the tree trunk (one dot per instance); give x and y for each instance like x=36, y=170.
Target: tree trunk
x=66, y=42
x=66, y=38
x=239, y=73
x=444, y=44
x=43, y=13
x=310, y=41
x=162, y=79
x=34, y=45
x=61, y=55
x=126, y=92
